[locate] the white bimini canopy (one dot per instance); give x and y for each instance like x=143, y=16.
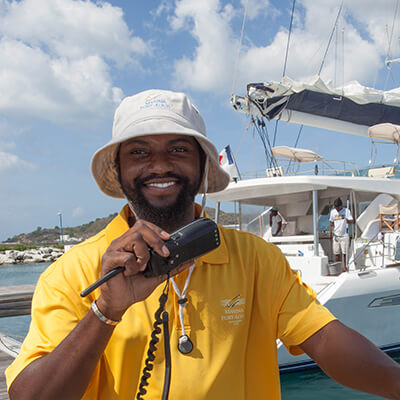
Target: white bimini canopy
x=301, y=155
x=385, y=131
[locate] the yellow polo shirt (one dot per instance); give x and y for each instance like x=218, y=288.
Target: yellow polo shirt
x=242, y=297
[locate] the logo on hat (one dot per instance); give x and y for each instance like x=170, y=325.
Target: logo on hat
x=154, y=102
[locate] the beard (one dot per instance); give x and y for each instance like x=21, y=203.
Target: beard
x=167, y=217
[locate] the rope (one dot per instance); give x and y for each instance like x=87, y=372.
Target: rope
x=240, y=46
x=182, y=297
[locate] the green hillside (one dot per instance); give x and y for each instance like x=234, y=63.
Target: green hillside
x=42, y=236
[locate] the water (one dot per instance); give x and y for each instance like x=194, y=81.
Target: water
x=12, y=275
x=306, y=385
x=315, y=385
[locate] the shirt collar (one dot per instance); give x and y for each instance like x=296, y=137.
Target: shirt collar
x=119, y=225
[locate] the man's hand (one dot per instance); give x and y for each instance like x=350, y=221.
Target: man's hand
x=131, y=250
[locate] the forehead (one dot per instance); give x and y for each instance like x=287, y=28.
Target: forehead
x=160, y=139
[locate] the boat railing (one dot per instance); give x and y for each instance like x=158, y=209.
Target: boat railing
x=356, y=257
x=325, y=167
x=384, y=254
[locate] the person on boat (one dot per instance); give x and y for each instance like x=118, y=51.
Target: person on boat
x=229, y=307
x=339, y=219
x=275, y=222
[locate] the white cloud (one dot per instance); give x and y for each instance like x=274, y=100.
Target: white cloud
x=55, y=89
x=210, y=68
x=56, y=57
x=165, y=6
x=211, y=65
x=10, y=161
x=256, y=7
x=73, y=28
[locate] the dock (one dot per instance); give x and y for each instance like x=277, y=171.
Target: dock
x=14, y=301
x=5, y=361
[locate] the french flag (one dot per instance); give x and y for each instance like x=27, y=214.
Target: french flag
x=227, y=162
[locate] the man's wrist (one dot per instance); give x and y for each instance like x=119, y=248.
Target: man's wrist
x=107, y=311
x=102, y=317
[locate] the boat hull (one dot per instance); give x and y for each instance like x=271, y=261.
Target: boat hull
x=367, y=301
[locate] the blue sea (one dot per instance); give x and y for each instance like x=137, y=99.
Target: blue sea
x=306, y=385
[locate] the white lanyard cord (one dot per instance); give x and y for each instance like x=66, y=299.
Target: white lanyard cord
x=205, y=187
x=182, y=296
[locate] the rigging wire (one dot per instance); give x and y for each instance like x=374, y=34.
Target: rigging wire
x=390, y=38
x=288, y=41
x=330, y=38
x=295, y=145
x=285, y=62
x=240, y=46
x=261, y=128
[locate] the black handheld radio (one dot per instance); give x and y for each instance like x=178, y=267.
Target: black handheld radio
x=191, y=241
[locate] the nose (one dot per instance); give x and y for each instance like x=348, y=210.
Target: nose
x=160, y=163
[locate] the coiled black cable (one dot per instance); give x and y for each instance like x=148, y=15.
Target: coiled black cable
x=153, y=347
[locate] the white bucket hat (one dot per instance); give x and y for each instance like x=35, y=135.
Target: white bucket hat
x=155, y=112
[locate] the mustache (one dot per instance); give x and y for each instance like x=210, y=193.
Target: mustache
x=141, y=181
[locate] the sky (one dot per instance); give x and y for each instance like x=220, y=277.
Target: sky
x=66, y=64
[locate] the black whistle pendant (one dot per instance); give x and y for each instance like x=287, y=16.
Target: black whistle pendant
x=185, y=345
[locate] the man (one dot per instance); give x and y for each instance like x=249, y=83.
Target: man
x=232, y=304
x=339, y=219
x=275, y=222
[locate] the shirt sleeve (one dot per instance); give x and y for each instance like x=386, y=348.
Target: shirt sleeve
x=348, y=214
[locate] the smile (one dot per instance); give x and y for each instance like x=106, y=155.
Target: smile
x=161, y=185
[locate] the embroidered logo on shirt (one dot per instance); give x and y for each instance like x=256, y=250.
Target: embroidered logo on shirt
x=233, y=309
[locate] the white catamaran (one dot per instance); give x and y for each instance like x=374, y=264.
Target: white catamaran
x=364, y=293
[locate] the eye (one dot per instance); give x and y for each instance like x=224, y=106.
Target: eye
x=179, y=149
x=138, y=152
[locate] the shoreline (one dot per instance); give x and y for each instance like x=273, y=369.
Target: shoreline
x=30, y=256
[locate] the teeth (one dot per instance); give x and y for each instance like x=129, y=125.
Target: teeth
x=162, y=185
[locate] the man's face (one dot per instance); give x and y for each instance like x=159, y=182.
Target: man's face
x=338, y=208
x=160, y=174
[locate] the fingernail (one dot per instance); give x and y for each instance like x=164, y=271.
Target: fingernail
x=165, y=250
x=142, y=267
x=165, y=234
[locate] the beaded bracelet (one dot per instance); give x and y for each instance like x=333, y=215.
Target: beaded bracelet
x=102, y=317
